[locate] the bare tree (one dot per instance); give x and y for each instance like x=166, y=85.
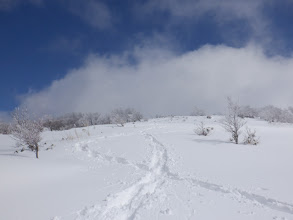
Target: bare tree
x=26, y=130
x=232, y=123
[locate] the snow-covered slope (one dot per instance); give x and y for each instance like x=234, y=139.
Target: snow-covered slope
x=158, y=169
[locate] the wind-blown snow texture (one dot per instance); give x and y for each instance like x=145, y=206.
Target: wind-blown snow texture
x=158, y=169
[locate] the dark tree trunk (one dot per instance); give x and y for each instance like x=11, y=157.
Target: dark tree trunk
x=37, y=151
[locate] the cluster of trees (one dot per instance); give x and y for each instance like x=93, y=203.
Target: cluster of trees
x=26, y=129
x=268, y=113
x=75, y=120
x=71, y=120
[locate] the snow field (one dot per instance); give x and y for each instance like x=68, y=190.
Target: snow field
x=158, y=169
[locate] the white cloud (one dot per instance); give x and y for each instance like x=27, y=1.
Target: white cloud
x=163, y=82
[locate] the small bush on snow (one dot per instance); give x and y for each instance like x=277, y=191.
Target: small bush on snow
x=202, y=130
x=250, y=137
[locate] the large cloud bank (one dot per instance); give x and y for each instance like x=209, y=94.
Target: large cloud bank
x=161, y=82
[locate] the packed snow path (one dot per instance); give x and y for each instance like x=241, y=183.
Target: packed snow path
x=126, y=204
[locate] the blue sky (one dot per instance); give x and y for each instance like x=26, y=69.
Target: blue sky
x=44, y=41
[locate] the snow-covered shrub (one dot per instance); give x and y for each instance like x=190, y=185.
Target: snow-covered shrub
x=232, y=123
x=250, y=137
x=201, y=129
x=26, y=131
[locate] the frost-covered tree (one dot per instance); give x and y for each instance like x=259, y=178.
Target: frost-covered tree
x=25, y=130
x=132, y=115
x=232, y=123
x=118, y=116
x=89, y=119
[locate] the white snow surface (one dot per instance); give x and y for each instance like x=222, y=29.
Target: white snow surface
x=158, y=169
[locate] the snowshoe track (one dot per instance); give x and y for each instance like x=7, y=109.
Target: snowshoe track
x=127, y=203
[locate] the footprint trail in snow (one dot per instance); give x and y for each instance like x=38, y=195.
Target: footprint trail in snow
x=143, y=193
